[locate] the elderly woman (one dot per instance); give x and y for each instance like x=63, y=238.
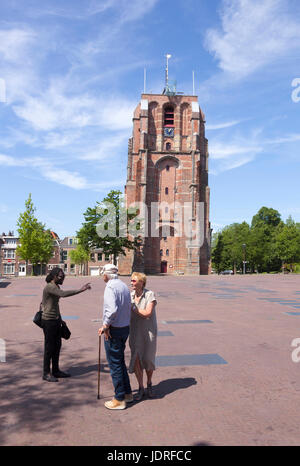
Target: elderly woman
x=143, y=333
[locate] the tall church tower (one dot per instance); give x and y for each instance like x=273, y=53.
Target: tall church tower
x=168, y=173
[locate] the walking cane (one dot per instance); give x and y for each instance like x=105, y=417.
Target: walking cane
x=98, y=397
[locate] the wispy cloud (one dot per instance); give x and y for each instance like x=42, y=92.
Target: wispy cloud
x=223, y=125
x=254, y=33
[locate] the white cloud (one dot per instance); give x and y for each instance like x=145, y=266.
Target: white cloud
x=106, y=149
x=227, y=124
x=254, y=33
x=229, y=154
x=56, y=109
x=8, y=161
x=14, y=43
x=71, y=179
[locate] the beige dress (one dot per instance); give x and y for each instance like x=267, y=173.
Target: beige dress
x=143, y=334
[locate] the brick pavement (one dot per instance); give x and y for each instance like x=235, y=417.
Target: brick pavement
x=236, y=383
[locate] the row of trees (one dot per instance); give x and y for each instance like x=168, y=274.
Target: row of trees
x=267, y=245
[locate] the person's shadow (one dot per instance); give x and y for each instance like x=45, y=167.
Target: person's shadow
x=4, y=284
x=78, y=371
x=165, y=387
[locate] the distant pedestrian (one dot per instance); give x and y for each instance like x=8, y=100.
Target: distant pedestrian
x=115, y=326
x=51, y=322
x=143, y=333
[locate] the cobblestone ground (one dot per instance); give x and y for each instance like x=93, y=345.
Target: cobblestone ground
x=225, y=371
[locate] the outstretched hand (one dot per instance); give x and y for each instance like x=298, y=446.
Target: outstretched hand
x=85, y=287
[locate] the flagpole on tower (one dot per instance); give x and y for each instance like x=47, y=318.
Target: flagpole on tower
x=168, y=56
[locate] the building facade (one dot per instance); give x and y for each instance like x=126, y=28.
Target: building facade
x=12, y=266
x=168, y=173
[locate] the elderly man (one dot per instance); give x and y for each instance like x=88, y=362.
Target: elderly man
x=115, y=326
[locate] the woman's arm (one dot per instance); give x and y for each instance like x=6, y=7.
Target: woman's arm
x=65, y=293
x=145, y=313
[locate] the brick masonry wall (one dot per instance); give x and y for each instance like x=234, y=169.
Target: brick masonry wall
x=182, y=168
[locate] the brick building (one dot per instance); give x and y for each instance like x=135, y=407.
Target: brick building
x=93, y=267
x=168, y=165
x=10, y=263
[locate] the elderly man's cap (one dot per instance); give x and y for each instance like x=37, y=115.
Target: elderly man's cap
x=109, y=268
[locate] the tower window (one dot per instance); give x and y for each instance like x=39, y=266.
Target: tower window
x=166, y=190
x=167, y=252
x=167, y=168
x=168, y=146
x=161, y=252
x=169, y=116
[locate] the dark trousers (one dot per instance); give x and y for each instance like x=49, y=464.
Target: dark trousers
x=52, y=332
x=114, y=348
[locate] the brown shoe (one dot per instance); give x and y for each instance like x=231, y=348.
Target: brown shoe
x=115, y=404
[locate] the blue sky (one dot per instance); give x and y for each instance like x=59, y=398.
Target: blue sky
x=72, y=72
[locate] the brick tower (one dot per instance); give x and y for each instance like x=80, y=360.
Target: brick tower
x=168, y=173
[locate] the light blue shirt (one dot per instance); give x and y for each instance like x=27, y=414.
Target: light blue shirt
x=116, y=304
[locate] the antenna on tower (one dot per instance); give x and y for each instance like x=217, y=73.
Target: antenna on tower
x=144, y=80
x=193, y=82
x=169, y=89
x=168, y=56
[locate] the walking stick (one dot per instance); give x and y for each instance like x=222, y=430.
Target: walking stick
x=98, y=397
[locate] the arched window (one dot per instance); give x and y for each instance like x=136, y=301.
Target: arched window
x=161, y=252
x=167, y=167
x=168, y=146
x=167, y=252
x=166, y=190
x=169, y=116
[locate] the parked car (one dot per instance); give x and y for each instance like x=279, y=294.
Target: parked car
x=227, y=272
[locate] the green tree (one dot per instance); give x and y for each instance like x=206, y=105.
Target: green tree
x=266, y=216
x=264, y=228
x=36, y=243
x=287, y=243
x=217, y=252
x=79, y=256
x=105, y=226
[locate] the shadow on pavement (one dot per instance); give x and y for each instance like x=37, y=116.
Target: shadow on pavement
x=171, y=385
x=8, y=305
x=78, y=371
x=4, y=284
x=29, y=404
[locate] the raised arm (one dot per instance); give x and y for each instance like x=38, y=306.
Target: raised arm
x=65, y=293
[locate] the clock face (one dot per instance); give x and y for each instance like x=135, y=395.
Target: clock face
x=169, y=132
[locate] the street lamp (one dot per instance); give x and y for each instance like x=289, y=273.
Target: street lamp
x=244, y=255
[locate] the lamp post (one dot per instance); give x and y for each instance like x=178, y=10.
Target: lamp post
x=244, y=256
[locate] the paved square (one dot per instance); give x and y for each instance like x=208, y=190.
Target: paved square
x=233, y=382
